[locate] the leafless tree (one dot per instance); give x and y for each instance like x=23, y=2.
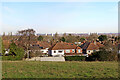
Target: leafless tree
x=26, y=39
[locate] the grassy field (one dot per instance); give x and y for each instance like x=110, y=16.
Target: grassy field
x=32, y=69
x=0, y=44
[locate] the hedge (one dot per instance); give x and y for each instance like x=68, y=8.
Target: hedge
x=75, y=58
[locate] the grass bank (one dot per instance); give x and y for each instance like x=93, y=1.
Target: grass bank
x=73, y=69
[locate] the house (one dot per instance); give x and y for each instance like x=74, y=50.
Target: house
x=90, y=47
x=44, y=46
x=64, y=49
x=36, y=46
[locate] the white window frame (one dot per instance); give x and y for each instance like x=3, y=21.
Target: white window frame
x=67, y=51
x=79, y=51
x=73, y=50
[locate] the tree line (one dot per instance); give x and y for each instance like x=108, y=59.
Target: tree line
x=27, y=37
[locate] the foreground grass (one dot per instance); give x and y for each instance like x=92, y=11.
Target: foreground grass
x=32, y=69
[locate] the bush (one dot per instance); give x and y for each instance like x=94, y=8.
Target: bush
x=103, y=55
x=15, y=53
x=75, y=58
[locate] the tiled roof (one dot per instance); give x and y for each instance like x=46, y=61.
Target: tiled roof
x=43, y=44
x=85, y=45
x=91, y=45
x=63, y=45
x=99, y=44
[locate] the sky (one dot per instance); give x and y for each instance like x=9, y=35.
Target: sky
x=51, y=17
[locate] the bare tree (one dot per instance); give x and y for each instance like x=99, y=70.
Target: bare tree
x=93, y=37
x=26, y=39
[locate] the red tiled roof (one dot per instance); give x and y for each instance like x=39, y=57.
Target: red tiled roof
x=94, y=46
x=43, y=44
x=63, y=45
x=99, y=44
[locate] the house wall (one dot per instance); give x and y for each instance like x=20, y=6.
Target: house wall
x=44, y=50
x=66, y=51
x=56, y=52
x=69, y=51
x=78, y=50
x=91, y=51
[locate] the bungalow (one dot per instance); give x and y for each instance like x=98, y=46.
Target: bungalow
x=90, y=47
x=36, y=46
x=64, y=49
x=44, y=46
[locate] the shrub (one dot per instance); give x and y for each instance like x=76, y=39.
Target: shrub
x=103, y=55
x=75, y=58
x=16, y=53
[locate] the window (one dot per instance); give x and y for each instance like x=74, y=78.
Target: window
x=41, y=47
x=54, y=51
x=94, y=50
x=60, y=51
x=89, y=51
x=67, y=51
x=73, y=50
x=79, y=51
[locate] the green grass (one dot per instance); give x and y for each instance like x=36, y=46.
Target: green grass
x=37, y=69
x=0, y=44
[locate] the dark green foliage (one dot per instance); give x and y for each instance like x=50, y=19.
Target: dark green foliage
x=15, y=53
x=82, y=39
x=62, y=39
x=40, y=38
x=103, y=55
x=118, y=37
x=75, y=58
x=102, y=37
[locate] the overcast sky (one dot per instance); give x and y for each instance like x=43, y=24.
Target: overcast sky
x=51, y=17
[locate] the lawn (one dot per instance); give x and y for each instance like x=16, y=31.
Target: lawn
x=0, y=44
x=37, y=69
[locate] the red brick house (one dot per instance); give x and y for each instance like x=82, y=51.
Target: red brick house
x=65, y=49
